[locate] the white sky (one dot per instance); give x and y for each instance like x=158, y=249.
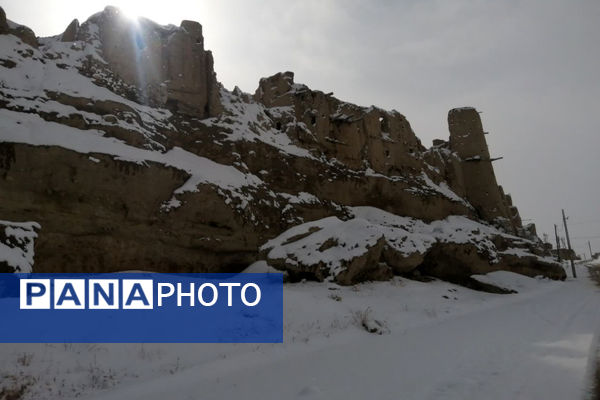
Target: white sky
x=532, y=67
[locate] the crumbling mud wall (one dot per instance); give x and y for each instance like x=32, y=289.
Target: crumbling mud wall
x=168, y=66
x=130, y=155
x=467, y=140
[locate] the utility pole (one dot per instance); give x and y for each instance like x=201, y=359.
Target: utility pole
x=557, y=242
x=569, y=244
x=590, y=246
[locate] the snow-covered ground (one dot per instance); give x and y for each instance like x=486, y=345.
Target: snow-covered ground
x=433, y=341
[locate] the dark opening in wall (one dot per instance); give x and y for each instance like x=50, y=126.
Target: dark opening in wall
x=383, y=124
x=278, y=125
x=313, y=119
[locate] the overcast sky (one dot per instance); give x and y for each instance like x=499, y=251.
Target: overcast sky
x=532, y=67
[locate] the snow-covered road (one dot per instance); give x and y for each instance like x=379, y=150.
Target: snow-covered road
x=534, y=345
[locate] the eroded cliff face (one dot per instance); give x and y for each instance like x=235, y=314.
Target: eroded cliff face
x=467, y=140
x=356, y=136
x=22, y=32
x=165, y=66
x=118, y=140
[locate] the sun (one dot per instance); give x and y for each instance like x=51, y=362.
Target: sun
x=171, y=12
x=137, y=8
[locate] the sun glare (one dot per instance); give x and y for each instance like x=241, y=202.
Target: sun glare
x=135, y=8
x=157, y=11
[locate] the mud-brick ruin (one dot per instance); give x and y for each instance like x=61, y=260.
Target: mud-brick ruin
x=149, y=163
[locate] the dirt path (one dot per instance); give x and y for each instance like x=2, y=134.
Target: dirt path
x=534, y=346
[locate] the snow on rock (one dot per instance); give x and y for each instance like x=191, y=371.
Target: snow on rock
x=280, y=157
x=374, y=241
x=509, y=280
x=301, y=198
x=328, y=246
x=245, y=119
x=31, y=129
x=16, y=245
x=444, y=189
x=260, y=267
x=522, y=253
x=38, y=81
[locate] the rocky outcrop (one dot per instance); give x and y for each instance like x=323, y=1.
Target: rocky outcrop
x=98, y=214
x=358, y=137
x=531, y=265
x=4, y=29
x=130, y=155
x=565, y=254
x=70, y=34
x=169, y=66
x=457, y=263
x=375, y=244
x=468, y=141
x=476, y=178
x=17, y=246
x=20, y=31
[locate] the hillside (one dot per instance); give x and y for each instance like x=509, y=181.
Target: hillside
x=120, y=150
x=432, y=340
x=408, y=272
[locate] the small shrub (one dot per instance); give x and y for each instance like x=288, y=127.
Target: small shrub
x=365, y=320
x=335, y=297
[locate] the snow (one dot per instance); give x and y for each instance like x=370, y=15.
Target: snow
x=509, y=280
x=301, y=198
x=16, y=250
x=386, y=137
x=27, y=89
x=519, y=252
x=594, y=262
x=31, y=129
x=456, y=109
x=54, y=68
x=32, y=76
x=444, y=189
x=248, y=121
x=441, y=341
x=173, y=203
x=260, y=267
x=432, y=340
x=427, y=185
x=350, y=239
x=303, y=244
